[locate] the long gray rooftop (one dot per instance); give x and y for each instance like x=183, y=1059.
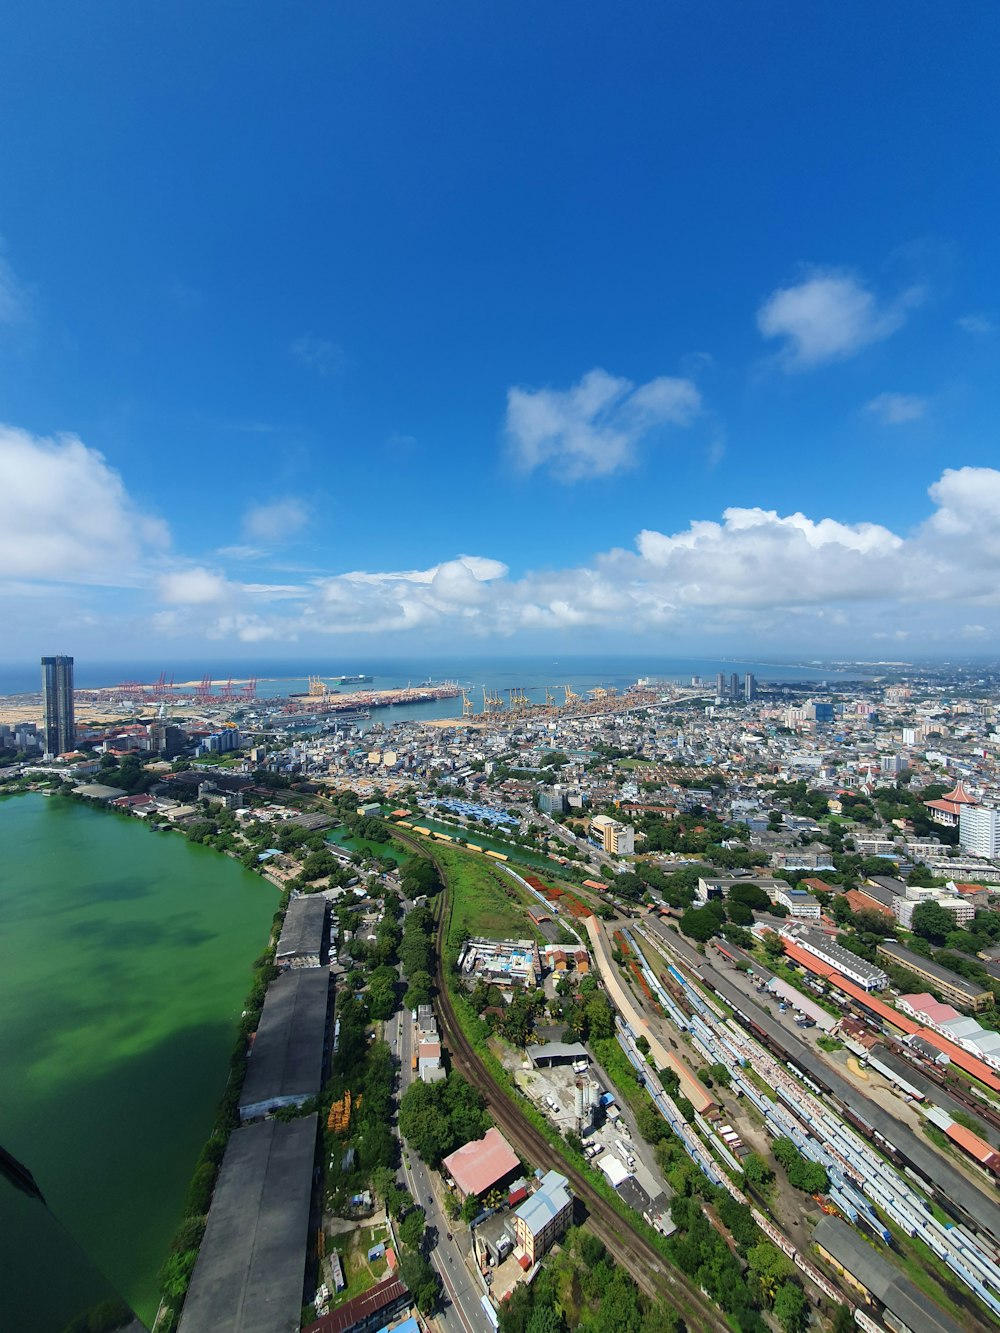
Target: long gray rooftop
x=287, y=1056
x=251, y=1266
x=907, y=958
x=886, y=1283
x=305, y=926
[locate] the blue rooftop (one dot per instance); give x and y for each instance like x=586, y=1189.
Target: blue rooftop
x=546, y=1203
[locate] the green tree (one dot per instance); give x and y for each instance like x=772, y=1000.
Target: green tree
x=421, y=1279
x=600, y=1018
x=933, y=922
x=412, y=1227
x=419, y=990
x=791, y=1308
x=700, y=923
x=545, y=1319
x=175, y=1275
x=843, y=1320
x=757, y=1170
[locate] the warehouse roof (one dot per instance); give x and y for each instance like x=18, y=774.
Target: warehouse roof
x=933, y=1010
x=251, y=1266
x=889, y=1287
x=287, y=1056
x=482, y=1163
x=99, y=791
x=549, y=1051
x=363, y=1309
x=305, y=927
x=927, y=967
x=837, y=954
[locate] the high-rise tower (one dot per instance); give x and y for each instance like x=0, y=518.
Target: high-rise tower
x=59, y=723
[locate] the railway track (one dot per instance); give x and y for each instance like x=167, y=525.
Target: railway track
x=626, y=1244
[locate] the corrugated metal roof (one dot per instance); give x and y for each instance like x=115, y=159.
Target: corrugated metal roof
x=973, y=1144
x=480, y=1164
x=546, y=1203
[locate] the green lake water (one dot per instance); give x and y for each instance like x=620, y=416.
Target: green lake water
x=342, y=838
x=125, y=957
x=512, y=851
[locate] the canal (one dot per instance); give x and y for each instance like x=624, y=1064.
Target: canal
x=125, y=956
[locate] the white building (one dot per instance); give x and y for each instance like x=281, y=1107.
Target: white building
x=904, y=908
x=798, y=902
x=858, y=970
x=979, y=830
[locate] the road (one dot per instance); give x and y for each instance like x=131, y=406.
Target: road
x=461, y=1309
x=623, y=1238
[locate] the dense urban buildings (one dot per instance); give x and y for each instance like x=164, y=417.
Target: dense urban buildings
x=828, y=850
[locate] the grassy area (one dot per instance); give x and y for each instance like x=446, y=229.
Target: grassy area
x=483, y=900
x=343, y=839
x=231, y=759
x=353, y=1248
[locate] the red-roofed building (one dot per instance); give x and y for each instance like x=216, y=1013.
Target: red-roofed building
x=977, y=894
x=818, y=886
x=947, y=808
x=482, y=1165
x=983, y=1152
x=860, y=902
x=373, y=1309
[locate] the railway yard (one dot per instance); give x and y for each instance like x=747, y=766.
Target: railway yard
x=885, y=1181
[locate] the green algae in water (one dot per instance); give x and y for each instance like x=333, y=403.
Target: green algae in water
x=125, y=958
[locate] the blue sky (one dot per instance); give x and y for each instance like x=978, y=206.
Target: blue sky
x=418, y=326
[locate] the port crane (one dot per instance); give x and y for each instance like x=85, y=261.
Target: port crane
x=492, y=704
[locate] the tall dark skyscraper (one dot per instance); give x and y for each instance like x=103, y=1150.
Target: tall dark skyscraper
x=59, y=724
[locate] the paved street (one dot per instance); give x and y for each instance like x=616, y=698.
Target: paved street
x=462, y=1310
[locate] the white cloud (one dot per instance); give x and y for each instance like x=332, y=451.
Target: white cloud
x=592, y=429
x=751, y=574
x=981, y=324
x=275, y=522
x=754, y=571
x=893, y=409
x=242, y=552
x=67, y=515
x=320, y=354
x=828, y=316
x=192, y=587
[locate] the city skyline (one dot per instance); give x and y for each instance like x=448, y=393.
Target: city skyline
x=525, y=332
